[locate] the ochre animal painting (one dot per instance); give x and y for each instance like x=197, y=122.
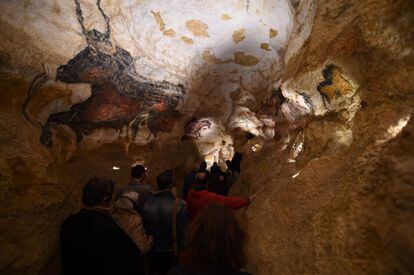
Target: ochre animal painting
x=120, y=96
x=334, y=86
x=193, y=127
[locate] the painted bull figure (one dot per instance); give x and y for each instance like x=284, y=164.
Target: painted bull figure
x=120, y=96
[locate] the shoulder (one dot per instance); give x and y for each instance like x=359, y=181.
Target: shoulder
x=71, y=221
x=153, y=202
x=78, y=217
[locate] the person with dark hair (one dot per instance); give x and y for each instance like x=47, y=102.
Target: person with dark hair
x=236, y=161
x=216, y=170
x=218, y=184
x=92, y=242
x=203, y=168
x=166, y=220
x=189, y=180
x=217, y=181
x=229, y=166
x=217, y=244
x=200, y=197
x=138, y=184
x=233, y=170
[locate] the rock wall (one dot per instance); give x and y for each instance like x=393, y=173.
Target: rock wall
x=336, y=187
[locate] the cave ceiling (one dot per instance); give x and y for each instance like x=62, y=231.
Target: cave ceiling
x=151, y=70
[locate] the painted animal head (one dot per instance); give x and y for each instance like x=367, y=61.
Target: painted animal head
x=89, y=66
x=193, y=127
x=161, y=118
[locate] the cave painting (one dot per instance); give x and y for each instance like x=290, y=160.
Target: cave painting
x=219, y=154
x=273, y=104
x=193, y=128
x=120, y=96
x=334, y=85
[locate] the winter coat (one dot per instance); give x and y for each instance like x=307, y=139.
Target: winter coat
x=189, y=181
x=158, y=220
x=131, y=223
x=198, y=199
x=93, y=243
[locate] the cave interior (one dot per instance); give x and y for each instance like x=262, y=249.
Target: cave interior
x=318, y=96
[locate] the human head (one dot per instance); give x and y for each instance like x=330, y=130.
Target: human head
x=128, y=200
x=217, y=238
x=98, y=192
x=215, y=169
x=203, y=166
x=138, y=171
x=201, y=179
x=165, y=179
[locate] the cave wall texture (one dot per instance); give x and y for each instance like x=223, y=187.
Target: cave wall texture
x=318, y=95
x=344, y=203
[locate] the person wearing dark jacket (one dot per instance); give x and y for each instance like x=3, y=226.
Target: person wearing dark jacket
x=158, y=218
x=215, y=169
x=203, y=168
x=92, y=242
x=189, y=180
x=218, y=184
x=216, y=244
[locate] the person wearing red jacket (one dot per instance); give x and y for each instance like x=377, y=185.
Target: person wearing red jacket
x=200, y=197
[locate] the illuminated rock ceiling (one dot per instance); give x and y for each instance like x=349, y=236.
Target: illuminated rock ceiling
x=152, y=67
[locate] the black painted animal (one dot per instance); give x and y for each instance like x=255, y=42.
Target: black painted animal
x=120, y=96
x=334, y=86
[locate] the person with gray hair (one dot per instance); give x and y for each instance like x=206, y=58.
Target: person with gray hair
x=130, y=221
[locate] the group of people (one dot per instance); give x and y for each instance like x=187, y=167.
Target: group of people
x=156, y=232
